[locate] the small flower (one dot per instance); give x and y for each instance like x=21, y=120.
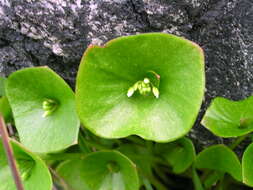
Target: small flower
x=144, y=87
x=155, y=92
x=130, y=91
x=49, y=106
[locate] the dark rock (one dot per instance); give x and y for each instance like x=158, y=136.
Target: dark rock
x=224, y=30
x=56, y=33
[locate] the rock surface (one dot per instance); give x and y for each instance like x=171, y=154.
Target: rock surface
x=56, y=33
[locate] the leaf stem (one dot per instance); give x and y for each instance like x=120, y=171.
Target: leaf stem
x=157, y=183
x=63, y=156
x=96, y=145
x=163, y=176
x=10, y=155
x=61, y=181
x=238, y=141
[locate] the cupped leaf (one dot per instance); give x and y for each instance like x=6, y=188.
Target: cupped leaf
x=220, y=158
x=108, y=170
x=150, y=85
x=228, y=118
x=247, y=165
x=43, y=106
x=180, y=154
x=34, y=173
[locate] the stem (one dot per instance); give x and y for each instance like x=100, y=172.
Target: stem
x=63, y=156
x=95, y=145
x=62, y=182
x=219, y=186
x=82, y=145
x=10, y=156
x=163, y=176
x=238, y=141
x=157, y=184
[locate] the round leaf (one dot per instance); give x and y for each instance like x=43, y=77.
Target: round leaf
x=34, y=173
x=219, y=158
x=109, y=103
x=228, y=118
x=108, y=170
x=180, y=154
x=247, y=165
x=27, y=90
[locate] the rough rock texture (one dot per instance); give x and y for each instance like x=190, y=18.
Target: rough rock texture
x=56, y=33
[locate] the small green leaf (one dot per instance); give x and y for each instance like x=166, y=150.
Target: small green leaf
x=228, y=118
x=212, y=178
x=5, y=109
x=247, y=165
x=140, y=156
x=33, y=171
x=180, y=154
x=220, y=158
x=115, y=99
x=2, y=86
x=107, y=170
x=43, y=127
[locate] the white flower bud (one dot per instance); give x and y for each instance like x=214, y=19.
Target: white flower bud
x=155, y=92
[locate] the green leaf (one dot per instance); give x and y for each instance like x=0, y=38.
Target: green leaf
x=247, y=165
x=5, y=109
x=109, y=170
x=144, y=160
x=220, y=158
x=180, y=154
x=140, y=156
x=212, y=178
x=43, y=106
x=2, y=86
x=114, y=98
x=34, y=173
x=228, y=118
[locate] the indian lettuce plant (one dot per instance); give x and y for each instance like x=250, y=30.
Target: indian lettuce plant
x=124, y=127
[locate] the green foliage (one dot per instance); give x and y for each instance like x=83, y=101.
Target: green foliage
x=2, y=84
x=5, y=109
x=106, y=74
x=140, y=155
x=180, y=154
x=247, y=165
x=109, y=170
x=220, y=158
x=228, y=118
x=27, y=90
x=33, y=171
x=149, y=85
